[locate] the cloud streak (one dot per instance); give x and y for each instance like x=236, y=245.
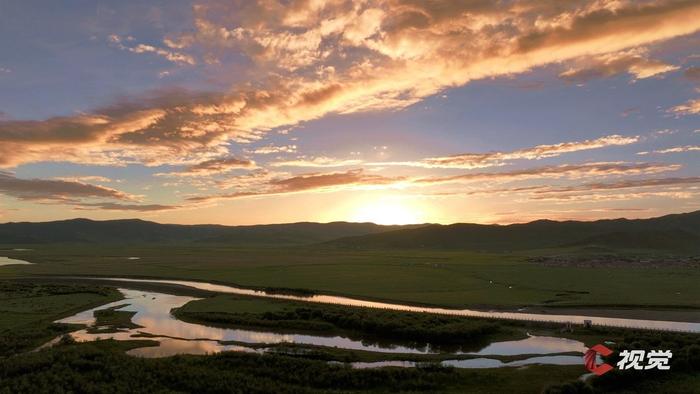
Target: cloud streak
x=175, y=57
x=634, y=62
x=675, y=149
x=692, y=107
x=77, y=194
x=212, y=167
x=492, y=159
x=265, y=184
x=317, y=182
x=319, y=161
x=59, y=190
x=571, y=171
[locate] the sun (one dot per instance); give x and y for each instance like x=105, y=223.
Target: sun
x=386, y=212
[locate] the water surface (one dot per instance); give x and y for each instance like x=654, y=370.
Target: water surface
x=9, y=261
x=153, y=315
x=477, y=362
x=348, y=301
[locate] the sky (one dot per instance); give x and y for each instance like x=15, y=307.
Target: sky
x=390, y=111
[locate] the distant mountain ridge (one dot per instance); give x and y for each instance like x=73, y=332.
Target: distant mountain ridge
x=677, y=232
x=141, y=231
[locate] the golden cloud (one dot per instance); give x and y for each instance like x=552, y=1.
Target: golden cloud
x=314, y=58
x=692, y=107
x=53, y=189
x=491, y=159
x=319, y=161
x=634, y=62
x=214, y=166
x=571, y=171
x=318, y=182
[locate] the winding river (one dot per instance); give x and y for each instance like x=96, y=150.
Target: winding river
x=156, y=323
x=348, y=301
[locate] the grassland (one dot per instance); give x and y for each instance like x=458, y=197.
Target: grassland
x=364, y=323
x=103, y=366
x=27, y=311
x=446, y=278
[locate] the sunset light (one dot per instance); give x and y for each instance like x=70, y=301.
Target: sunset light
x=386, y=212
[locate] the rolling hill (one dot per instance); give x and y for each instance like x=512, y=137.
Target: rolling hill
x=140, y=231
x=678, y=232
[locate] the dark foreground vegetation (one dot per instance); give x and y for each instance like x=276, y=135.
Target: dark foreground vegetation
x=27, y=311
x=103, y=367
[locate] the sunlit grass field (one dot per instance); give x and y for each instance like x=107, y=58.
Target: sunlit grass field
x=454, y=279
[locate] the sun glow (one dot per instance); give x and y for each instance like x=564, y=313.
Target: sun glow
x=393, y=211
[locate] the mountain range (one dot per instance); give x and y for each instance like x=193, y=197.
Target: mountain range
x=677, y=232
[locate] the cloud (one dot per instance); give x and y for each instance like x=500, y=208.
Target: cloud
x=175, y=57
x=214, y=166
x=624, y=184
x=692, y=107
x=572, y=171
x=109, y=206
x=318, y=182
x=249, y=180
x=675, y=149
x=634, y=62
x=84, y=179
x=88, y=139
x=58, y=190
x=676, y=188
x=263, y=183
x=74, y=193
x=307, y=59
x=586, y=197
x=491, y=159
x=320, y=161
x=266, y=150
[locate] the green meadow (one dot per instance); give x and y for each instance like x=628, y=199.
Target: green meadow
x=446, y=278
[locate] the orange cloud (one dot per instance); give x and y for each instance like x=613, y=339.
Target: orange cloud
x=266, y=150
x=491, y=159
x=50, y=189
x=308, y=182
x=314, y=58
x=692, y=107
x=624, y=184
x=172, y=56
x=110, y=206
x=320, y=161
x=572, y=171
x=214, y=166
x=633, y=61
x=263, y=183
